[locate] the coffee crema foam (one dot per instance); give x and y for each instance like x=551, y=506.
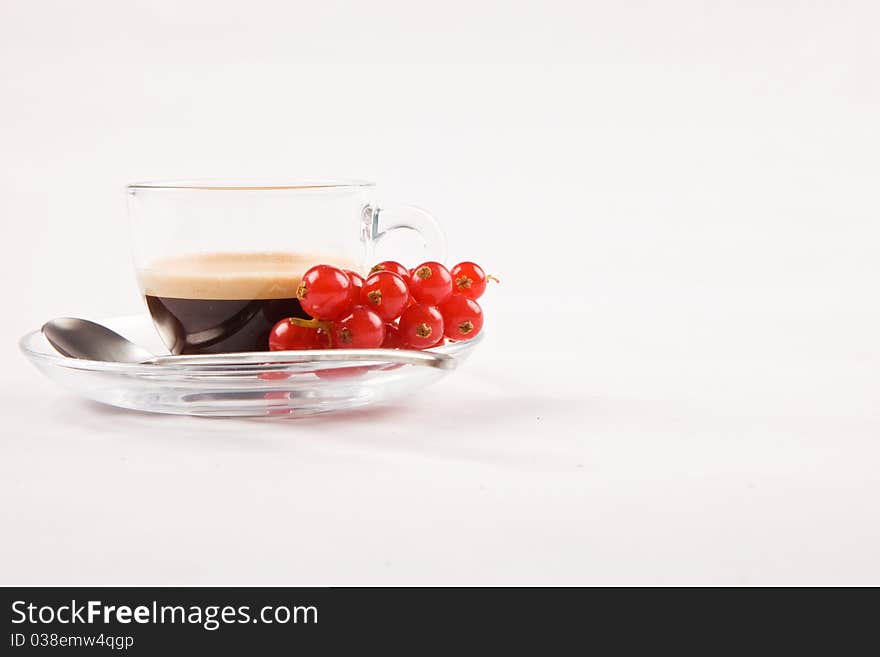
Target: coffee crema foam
x=220, y=276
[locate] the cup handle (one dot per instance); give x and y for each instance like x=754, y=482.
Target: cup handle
x=380, y=222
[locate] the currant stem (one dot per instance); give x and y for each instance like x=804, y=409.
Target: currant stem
x=310, y=323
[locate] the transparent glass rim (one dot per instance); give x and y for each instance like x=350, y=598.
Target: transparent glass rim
x=250, y=185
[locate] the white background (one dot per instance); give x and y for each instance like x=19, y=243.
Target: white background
x=681, y=376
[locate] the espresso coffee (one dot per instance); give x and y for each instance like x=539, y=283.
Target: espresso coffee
x=223, y=302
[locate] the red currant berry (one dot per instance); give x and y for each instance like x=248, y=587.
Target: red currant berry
x=392, y=266
x=420, y=326
x=357, y=282
x=386, y=294
x=392, y=338
x=287, y=335
x=469, y=279
x=430, y=283
x=462, y=317
x=324, y=339
x=326, y=292
x=362, y=329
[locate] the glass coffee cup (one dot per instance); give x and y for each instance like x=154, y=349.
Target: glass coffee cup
x=219, y=263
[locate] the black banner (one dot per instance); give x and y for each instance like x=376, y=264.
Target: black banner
x=151, y=621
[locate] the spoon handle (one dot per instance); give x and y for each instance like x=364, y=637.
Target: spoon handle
x=402, y=356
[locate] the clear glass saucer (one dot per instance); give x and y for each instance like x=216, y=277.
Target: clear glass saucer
x=288, y=390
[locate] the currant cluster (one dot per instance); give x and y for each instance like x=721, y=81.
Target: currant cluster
x=393, y=307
